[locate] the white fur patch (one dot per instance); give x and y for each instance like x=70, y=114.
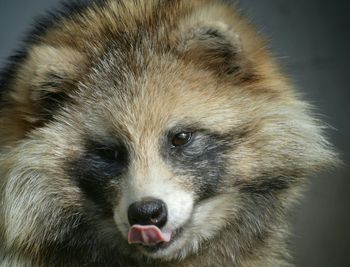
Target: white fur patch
x=207, y=219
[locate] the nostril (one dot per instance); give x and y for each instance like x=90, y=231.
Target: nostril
x=148, y=212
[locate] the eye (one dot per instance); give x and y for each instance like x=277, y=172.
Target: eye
x=108, y=153
x=181, y=139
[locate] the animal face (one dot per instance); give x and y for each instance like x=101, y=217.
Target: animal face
x=153, y=134
x=168, y=145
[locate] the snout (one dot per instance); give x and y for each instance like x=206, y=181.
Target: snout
x=146, y=218
x=153, y=214
x=148, y=212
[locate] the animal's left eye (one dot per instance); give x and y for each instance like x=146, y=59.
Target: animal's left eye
x=181, y=139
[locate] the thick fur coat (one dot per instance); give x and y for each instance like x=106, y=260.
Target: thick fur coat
x=112, y=102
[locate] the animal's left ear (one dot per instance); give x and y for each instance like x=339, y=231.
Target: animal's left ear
x=213, y=46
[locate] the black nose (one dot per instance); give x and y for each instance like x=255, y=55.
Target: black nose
x=148, y=212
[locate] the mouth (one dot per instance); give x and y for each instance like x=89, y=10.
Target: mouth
x=163, y=245
x=154, y=246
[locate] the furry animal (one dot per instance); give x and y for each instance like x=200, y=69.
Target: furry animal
x=150, y=133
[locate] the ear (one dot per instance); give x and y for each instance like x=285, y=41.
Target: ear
x=214, y=46
x=44, y=81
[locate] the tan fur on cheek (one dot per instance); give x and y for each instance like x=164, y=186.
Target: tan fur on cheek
x=208, y=219
x=35, y=192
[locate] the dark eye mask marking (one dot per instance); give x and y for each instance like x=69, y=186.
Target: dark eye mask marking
x=202, y=161
x=96, y=167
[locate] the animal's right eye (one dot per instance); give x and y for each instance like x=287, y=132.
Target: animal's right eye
x=108, y=153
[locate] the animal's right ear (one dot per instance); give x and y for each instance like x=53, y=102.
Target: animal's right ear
x=44, y=80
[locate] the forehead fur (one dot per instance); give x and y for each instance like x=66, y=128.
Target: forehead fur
x=155, y=26
x=140, y=55
x=153, y=64
x=131, y=34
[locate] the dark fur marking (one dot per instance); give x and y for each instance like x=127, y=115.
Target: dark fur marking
x=261, y=210
x=267, y=185
x=203, y=158
x=82, y=244
x=256, y=219
x=94, y=170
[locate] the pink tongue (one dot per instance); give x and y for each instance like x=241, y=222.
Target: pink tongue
x=147, y=235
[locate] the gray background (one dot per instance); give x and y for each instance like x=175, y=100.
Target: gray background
x=312, y=40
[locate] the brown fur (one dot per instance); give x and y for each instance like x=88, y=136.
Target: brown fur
x=133, y=69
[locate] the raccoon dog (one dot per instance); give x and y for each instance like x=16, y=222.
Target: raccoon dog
x=150, y=133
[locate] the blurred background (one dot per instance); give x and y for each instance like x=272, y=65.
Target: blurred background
x=311, y=38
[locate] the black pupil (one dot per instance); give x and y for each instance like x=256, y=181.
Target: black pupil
x=181, y=139
x=108, y=153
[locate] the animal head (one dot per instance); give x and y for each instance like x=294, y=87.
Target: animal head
x=157, y=125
